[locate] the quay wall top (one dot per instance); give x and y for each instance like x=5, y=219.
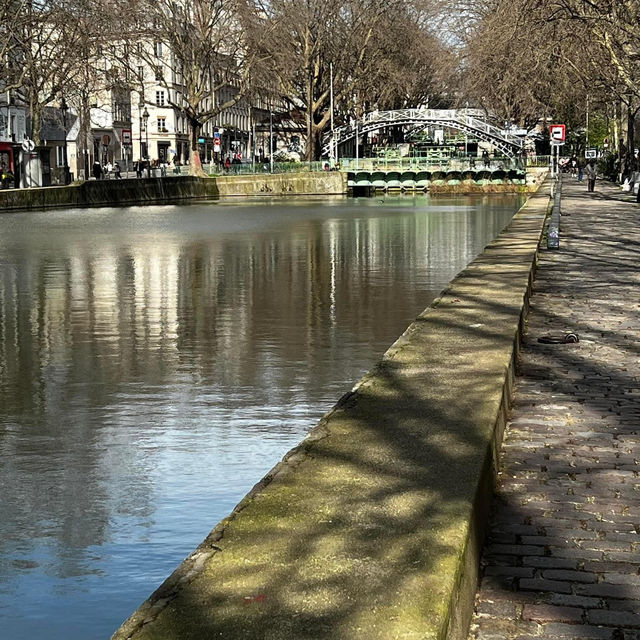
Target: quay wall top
x=371, y=527
x=171, y=188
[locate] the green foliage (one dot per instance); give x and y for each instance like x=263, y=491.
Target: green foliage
x=598, y=129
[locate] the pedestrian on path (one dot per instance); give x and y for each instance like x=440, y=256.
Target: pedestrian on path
x=592, y=173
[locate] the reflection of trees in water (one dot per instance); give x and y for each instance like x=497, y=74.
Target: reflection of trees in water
x=99, y=339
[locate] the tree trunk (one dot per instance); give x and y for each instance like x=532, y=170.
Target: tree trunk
x=631, y=131
x=84, y=134
x=35, y=117
x=311, y=148
x=195, y=164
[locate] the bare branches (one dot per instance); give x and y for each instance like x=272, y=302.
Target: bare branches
x=382, y=53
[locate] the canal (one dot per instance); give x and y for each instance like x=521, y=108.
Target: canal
x=156, y=362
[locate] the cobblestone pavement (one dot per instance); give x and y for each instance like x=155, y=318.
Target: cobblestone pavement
x=563, y=555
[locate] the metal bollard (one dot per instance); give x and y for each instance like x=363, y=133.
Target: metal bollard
x=553, y=235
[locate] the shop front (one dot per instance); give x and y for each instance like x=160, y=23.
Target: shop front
x=7, y=165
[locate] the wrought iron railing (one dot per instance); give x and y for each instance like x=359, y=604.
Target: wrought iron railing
x=462, y=119
x=538, y=161
x=468, y=163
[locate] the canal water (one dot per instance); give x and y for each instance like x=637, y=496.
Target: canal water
x=156, y=362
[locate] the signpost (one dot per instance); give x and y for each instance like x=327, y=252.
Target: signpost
x=126, y=140
x=28, y=146
x=557, y=135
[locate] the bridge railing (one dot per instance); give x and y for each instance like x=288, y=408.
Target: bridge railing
x=489, y=129
x=244, y=168
x=470, y=120
x=496, y=163
x=538, y=161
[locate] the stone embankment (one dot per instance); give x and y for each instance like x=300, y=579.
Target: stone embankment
x=563, y=555
x=172, y=189
x=371, y=528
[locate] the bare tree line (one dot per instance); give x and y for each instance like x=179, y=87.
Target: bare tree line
x=526, y=59
x=518, y=59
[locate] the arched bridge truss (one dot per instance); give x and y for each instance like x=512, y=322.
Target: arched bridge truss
x=462, y=119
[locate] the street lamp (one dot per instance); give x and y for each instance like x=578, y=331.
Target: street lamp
x=64, y=108
x=270, y=138
x=145, y=117
x=333, y=140
x=140, y=107
x=466, y=136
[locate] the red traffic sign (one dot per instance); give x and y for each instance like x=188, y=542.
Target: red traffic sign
x=557, y=132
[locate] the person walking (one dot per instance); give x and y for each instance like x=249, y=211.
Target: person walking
x=574, y=165
x=97, y=170
x=116, y=171
x=592, y=173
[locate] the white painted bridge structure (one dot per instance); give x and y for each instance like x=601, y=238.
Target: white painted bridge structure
x=467, y=120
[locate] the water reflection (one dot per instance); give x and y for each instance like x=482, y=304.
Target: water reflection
x=156, y=362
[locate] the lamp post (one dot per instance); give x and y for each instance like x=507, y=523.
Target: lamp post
x=333, y=141
x=140, y=108
x=466, y=137
x=64, y=108
x=9, y=130
x=270, y=138
x=145, y=118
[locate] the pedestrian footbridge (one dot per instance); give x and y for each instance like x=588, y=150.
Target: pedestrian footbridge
x=466, y=120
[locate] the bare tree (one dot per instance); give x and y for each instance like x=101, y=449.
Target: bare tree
x=309, y=38
x=198, y=52
x=407, y=64
x=41, y=52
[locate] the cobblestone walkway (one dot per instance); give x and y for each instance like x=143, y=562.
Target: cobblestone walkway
x=563, y=555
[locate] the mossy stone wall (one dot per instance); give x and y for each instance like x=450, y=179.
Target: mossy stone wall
x=170, y=189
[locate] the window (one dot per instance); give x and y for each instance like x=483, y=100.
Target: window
x=158, y=49
x=162, y=124
x=159, y=74
x=60, y=156
x=140, y=73
x=160, y=98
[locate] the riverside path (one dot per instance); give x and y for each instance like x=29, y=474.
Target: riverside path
x=562, y=559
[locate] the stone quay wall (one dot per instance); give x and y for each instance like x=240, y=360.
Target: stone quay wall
x=171, y=189
x=372, y=527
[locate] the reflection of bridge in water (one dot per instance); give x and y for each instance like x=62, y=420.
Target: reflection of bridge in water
x=465, y=120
